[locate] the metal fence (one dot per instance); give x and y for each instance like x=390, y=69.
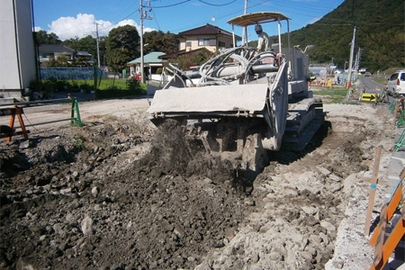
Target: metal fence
x=71, y=73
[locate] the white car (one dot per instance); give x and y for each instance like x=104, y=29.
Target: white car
x=396, y=83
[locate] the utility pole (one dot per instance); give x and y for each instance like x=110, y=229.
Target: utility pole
x=357, y=62
x=141, y=20
x=244, y=34
x=143, y=15
x=349, y=76
x=98, y=48
x=96, y=71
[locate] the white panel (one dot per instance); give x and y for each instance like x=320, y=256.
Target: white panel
x=25, y=41
x=9, y=72
x=17, y=52
x=251, y=98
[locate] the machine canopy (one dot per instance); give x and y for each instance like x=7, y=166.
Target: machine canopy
x=257, y=17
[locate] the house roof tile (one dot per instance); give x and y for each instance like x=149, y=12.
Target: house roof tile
x=207, y=29
x=152, y=57
x=83, y=53
x=54, y=48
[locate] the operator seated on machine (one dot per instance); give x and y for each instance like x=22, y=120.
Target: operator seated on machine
x=263, y=45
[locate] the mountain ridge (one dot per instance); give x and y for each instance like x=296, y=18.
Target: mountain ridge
x=379, y=33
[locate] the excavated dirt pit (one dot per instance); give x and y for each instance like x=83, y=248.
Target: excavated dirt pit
x=118, y=194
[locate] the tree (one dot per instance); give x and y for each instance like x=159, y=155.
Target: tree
x=157, y=41
x=61, y=61
x=42, y=37
x=122, y=46
x=380, y=37
x=88, y=44
x=195, y=58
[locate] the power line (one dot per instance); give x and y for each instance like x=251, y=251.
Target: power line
x=202, y=1
x=172, y=5
x=154, y=17
x=302, y=7
x=113, y=7
x=217, y=5
x=240, y=10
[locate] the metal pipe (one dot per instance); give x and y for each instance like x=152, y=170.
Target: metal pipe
x=279, y=35
x=50, y=122
x=291, y=53
x=233, y=36
x=37, y=102
x=244, y=37
x=263, y=68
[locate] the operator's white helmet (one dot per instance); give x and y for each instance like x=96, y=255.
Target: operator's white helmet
x=258, y=28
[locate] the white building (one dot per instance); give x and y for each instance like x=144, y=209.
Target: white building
x=17, y=50
x=208, y=36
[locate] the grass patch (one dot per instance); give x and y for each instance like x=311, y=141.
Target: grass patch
x=380, y=79
x=107, y=88
x=106, y=84
x=330, y=96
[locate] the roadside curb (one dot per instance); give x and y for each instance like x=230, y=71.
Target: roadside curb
x=397, y=163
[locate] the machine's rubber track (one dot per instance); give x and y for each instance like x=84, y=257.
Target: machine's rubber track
x=304, y=120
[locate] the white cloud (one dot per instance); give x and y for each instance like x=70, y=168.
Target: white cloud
x=84, y=25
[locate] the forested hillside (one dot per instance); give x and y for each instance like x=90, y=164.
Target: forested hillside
x=380, y=34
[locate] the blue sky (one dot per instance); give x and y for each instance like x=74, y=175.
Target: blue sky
x=78, y=18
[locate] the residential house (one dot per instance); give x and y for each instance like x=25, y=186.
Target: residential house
x=52, y=51
x=84, y=56
x=152, y=65
x=47, y=52
x=208, y=36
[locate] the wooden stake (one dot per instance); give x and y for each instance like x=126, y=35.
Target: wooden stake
x=385, y=246
x=373, y=188
x=392, y=206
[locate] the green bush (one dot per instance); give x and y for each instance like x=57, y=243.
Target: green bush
x=36, y=85
x=135, y=86
x=194, y=59
x=48, y=90
x=46, y=87
x=58, y=85
x=86, y=87
x=75, y=87
x=114, y=92
x=121, y=88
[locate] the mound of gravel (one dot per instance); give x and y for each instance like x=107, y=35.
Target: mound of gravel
x=119, y=194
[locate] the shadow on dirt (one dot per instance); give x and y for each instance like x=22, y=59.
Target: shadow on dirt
x=17, y=160
x=287, y=156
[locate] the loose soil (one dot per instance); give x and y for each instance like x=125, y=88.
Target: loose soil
x=119, y=194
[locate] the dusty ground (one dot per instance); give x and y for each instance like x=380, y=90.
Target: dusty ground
x=111, y=195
